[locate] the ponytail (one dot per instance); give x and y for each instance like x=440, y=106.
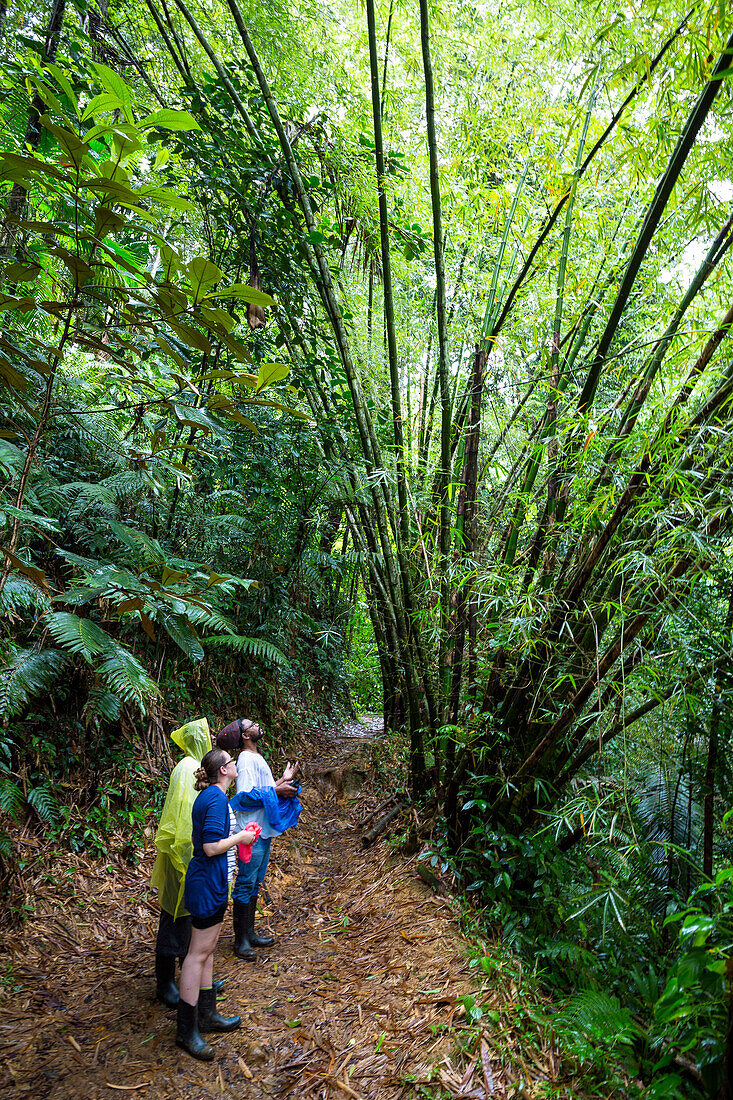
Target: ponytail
x=206, y=775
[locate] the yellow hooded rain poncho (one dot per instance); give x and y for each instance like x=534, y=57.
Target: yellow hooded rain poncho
x=173, y=838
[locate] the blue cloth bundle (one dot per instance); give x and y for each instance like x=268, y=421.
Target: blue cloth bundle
x=282, y=813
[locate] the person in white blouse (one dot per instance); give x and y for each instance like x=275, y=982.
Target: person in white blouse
x=255, y=779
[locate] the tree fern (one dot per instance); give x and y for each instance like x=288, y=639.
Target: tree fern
x=254, y=647
x=26, y=674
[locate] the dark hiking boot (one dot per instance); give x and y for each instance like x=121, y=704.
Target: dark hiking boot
x=242, y=947
x=254, y=939
x=166, y=989
x=212, y=1020
x=188, y=1036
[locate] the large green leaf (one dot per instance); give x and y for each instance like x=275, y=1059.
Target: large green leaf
x=183, y=634
x=245, y=294
x=169, y=119
x=269, y=373
x=113, y=83
x=106, y=101
x=74, y=148
x=202, y=274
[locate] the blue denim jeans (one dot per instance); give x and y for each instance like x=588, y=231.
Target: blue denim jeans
x=251, y=875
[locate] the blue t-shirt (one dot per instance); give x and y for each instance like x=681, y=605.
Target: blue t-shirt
x=207, y=880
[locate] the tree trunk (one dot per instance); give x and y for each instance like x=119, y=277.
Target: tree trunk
x=19, y=195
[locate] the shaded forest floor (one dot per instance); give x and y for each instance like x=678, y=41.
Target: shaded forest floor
x=361, y=995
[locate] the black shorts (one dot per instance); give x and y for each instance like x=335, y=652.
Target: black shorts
x=209, y=922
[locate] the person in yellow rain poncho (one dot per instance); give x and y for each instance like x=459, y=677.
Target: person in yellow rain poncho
x=173, y=841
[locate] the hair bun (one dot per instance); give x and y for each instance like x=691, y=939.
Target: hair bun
x=202, y=779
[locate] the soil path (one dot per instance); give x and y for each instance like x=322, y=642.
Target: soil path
x=357, y=997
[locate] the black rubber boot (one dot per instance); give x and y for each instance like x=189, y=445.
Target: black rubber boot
x=218, y=986
x=165, y=980
x=188, y=1035
x=254, y=939
x=242, y=947
x=209, y=1018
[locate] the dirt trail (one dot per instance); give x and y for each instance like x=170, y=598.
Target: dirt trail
x=357, y=997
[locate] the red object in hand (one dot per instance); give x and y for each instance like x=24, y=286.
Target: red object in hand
x=244, y=851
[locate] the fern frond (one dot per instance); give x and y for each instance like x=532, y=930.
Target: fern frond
x=254, y=647
x=310, y=576
x=230, y=523
x=28, y=673
x=209, y=618
x=568, y=952
x=152, y=551
x=20, y=594
x=322, y=560
x=80, y=636
x=601, y=1017
x=43, y=802
x=11, y=796
x=128, y=483
x=125, y=676
x=90, y=499
x=667, y=808
x=101, y=704
x=123, y=673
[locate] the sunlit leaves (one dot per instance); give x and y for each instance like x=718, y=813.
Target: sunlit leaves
x=169, y=120
x=117, y=88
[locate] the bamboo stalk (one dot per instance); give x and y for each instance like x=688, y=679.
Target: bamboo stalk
x=233, y=93
x=542, y=237
x=402, y=526
x=654, y=213
x=443, y=479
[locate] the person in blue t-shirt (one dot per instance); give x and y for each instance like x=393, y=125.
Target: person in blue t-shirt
x=215, y=837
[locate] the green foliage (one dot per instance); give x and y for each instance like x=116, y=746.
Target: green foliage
x=692, y=1012
x=28, y=673
x=598, y=1021
x=254, y=647
x=548, y=630
x=44, y=803
x=362, y=662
